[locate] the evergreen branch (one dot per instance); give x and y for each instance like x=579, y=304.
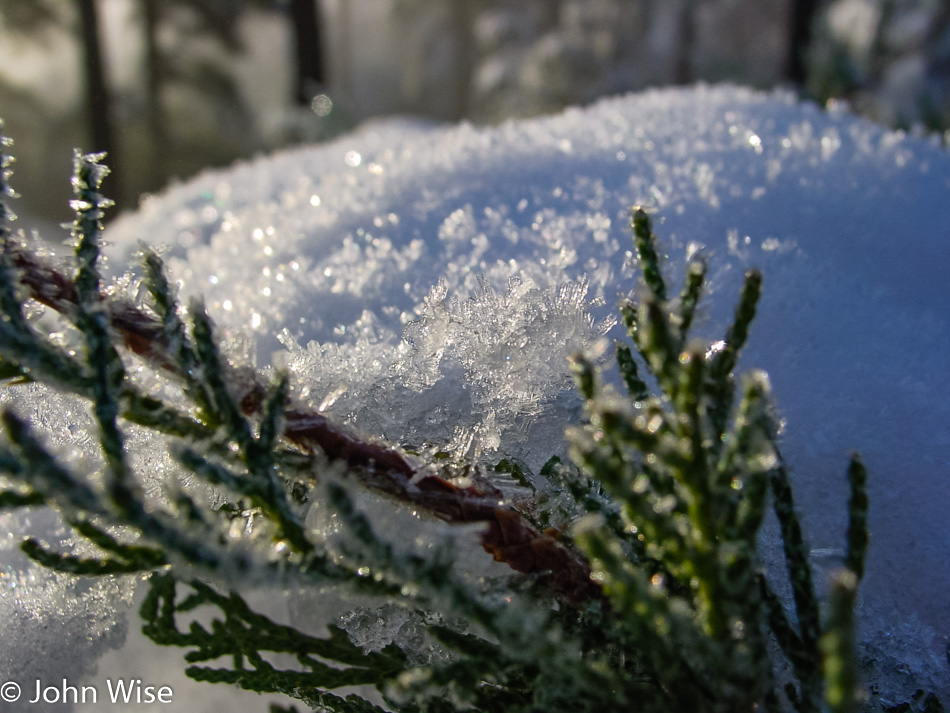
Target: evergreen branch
x=658, y=345
x=645, y=242
x=358, y=525
x=667, y=608
x=658, y=625
x=631, y=377
x=702, y=499
x=502, y=664
x=689, y=297
x=83, y=566
x=324, y=700
x=837, y=646
x=725, y=359
x=267, y=679
x=779, y=623
x=243, y=631
x=245, y=636
x=39, y=470
x=6, y=191
x=665, y=537
x=858, y=536
x=725, y=354
x=517, y=470
x=748, y=458
x=628, y=315
x=184, y=361
x=212, y=374
x=25, y=350
x=146, y=557
x=13, y=499
x=508, y=537
x=699, y=505
x=803, y=591
x=584, y=376
x=483, y=672
x=260, y=459
x=72, y=496
x=156, y=415
x=108, y=372
x=260, y=495
x=13, y=373
x=589, y=495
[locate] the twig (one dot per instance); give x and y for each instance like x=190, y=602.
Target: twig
x=508, y=537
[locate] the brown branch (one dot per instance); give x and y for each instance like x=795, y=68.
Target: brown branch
x=508, y=537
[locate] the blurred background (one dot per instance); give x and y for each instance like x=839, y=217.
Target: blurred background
x=169, y=87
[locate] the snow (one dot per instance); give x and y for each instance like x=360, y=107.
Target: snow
x=414, y=278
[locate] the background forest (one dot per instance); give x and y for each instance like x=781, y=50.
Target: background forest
x=426, y=285
x=179, y=85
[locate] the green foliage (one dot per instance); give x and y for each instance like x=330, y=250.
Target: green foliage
x=691, y=480
x=244, y=637
x=639, y=584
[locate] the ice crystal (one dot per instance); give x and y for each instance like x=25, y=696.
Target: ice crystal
x=439, y=280
x=375, y=629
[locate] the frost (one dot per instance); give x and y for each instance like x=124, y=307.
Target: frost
x=375, y=629
x=53, y=626
x=430, y=291
x=901, y=660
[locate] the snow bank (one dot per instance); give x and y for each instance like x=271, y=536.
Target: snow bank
x=414, y=279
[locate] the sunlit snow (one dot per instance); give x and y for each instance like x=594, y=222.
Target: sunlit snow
x=427, y=285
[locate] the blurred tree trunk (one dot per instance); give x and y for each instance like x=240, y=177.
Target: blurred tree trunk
x=343, y=57
x=153, y=89
x=801, y=21
x=98, y=99
x=683, y=66
x=550, y=13
x=937, y=54
x=306, y=21
x=879, y=52
x=463, y=21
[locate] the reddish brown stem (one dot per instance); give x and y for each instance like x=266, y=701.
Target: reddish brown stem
x=508, y=537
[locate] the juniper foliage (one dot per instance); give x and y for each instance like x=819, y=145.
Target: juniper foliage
x=638, y=587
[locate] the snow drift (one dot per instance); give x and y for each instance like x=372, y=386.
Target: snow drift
x=427, y=285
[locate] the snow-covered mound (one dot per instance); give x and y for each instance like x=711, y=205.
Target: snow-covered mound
x=415, y=279
x=430, y=278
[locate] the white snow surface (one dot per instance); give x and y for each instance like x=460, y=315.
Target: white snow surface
x=415, y=278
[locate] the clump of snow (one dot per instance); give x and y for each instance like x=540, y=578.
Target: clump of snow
x=448, y=358
x=426, y=285
x=53, y=626
x=375, y=629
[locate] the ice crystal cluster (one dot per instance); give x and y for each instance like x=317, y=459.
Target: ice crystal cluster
x=427, y=285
